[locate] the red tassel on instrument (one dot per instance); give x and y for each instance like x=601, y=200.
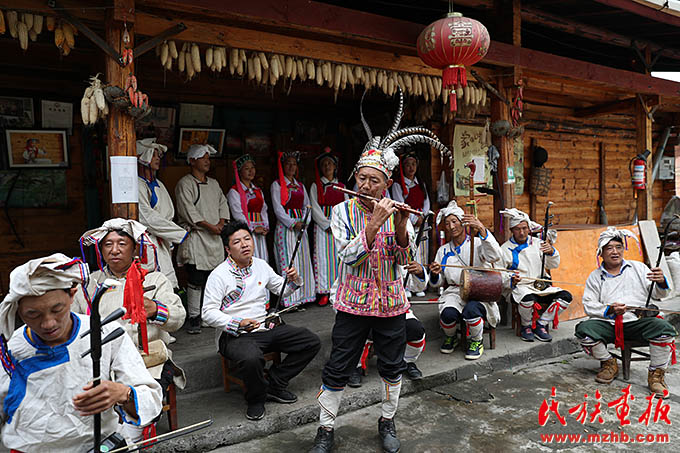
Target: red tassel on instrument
x=133, y=300
x=618, y=331
x=535, y=315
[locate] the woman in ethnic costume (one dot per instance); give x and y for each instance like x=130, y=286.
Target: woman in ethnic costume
x=323, y=198
x=291, y=202
x=246, y=203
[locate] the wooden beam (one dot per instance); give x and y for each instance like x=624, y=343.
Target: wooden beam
x=623, y=106
x=121, y=137
x=653, y=13
x=536, y=16
x=501, y=111
x=603, y=183
x=643, y=127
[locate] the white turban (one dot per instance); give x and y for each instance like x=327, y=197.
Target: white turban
x=612, y=233
x=37, y=277
x=133, y=228
x=145, y=149
x=451, y=209
x=515, y=217
x=196, y=151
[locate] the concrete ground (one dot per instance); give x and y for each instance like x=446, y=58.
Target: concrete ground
x=499, y=412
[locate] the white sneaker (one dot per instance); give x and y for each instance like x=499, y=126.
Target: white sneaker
x=408, y=294
x=420, y=294
x=172, y=339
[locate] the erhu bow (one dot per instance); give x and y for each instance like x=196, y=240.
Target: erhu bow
x=425, y=226
x=544, y=283
x=472, y=207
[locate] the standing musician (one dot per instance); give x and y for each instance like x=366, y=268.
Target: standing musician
x=412, y=191
x=290, y=202
x=118, y=240
x=611, y=290
x=236, y=298
x=524, y=253
x=48, y=398
x=156, y=210
x=246, y=202
x=323, y=198
x=457, y=252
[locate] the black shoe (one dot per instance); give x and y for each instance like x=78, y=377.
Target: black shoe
x=255, y=411
x=323, y=442
x=388, y=434
x=281, y=396
x=355, y=378
x=194, y=326
x=412, y=372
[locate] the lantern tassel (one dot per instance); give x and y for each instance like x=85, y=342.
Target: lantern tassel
x=453, y=77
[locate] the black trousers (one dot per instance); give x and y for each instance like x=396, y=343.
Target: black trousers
x=349, y=336
x=299, y=344
x=196, y=277
x=549, y=298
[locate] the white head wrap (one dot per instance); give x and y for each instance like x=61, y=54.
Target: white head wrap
x=196, y=151
x=134, y=229
x=145, y=149
x=612, y=233
x=515, y=217
x=383, y=160
x=451, y=209
x=35, y=278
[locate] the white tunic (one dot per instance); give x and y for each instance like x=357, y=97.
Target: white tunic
x=487, y=252
x=285, y=238
x=526, y=258
x=326, y=259
x=259, y=219
x=162, y=231
x=196, y=202
x=233, y=294
x=156, y=329
x=629, y=287
x=43, y=418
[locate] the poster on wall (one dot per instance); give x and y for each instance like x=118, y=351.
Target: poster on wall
x=160, y=123
x=36, y=148
x=191, y=136
x=196, y=115
x=467, y=145
x=57, y=115
x=33, y=188
x=16, y=112
x=518, y=149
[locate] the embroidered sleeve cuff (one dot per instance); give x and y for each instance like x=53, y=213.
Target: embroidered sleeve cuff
x=485, y=236
x=233, y=324
x=608, y=315
x=665, y=283
x=161, y=314
x=124, y=415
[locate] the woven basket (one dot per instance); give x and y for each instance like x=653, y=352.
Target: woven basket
x=540, y=181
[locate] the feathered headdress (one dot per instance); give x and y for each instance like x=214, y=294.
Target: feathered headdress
x=381, y=152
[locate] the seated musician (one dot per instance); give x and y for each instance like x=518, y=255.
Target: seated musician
x=611, y=291
x=524, y=253
x=46, y=388
x=235, y=304
x=117, y=240
x=457, y=253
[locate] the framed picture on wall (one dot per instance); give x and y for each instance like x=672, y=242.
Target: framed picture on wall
x=16, y=112
x=37, y=148
x=191, y=136
x=160, y=123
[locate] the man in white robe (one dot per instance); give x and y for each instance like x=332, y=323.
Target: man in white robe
x=524, y=253
x=48, y=398
x=203, y=209
x=156, y=211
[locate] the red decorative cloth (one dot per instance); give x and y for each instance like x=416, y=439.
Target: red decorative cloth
x=416, y=197
x=133, y=300
x=618, y=331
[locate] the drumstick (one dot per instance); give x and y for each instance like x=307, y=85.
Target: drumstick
x=400, y=206
x=500, y=269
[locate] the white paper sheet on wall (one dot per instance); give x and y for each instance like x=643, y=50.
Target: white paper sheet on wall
x=124, y=179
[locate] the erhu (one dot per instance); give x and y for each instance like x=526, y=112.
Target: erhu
x=544, y=283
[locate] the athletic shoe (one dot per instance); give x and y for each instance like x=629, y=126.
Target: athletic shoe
x=194, y=326
x=449, y=345
x=408, y=294
x=255, y=411
x=420, y=294
x=475, y=350
x=412, y=372
x=282, y=396
x=527, y=334
x=323, y=442
x=355, y=378
x=388, y=434
x=541, y=333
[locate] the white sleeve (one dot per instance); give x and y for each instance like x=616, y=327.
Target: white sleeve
x=275, y=282
x=265, y=215
x=436, y=280
x=552, y=261
x=234, y=199
x=216, y=288
x=306, y=206
x=491, y=251
x=317, y=213
x=593, y=306
x=158, y=225
x=280, y=213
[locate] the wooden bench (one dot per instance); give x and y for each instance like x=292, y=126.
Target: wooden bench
x=626, y=355
x=517, y=321
x=170, y=406
x=228, y=368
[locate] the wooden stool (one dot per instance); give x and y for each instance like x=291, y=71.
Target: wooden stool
x=517, y=321
x=170, y=406
x=228, y=368
x=626, y=355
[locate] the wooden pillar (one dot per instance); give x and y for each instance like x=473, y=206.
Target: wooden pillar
x=677, y=171
x=501, y=111
x=121, y=138
x=603, y=185
x=643, y=131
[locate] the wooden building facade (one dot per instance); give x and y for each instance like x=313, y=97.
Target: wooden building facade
x=593, y=109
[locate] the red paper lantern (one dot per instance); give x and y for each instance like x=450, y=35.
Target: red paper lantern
x=450, y=44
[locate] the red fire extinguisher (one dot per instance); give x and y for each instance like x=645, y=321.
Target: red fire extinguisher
x=638, y=170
